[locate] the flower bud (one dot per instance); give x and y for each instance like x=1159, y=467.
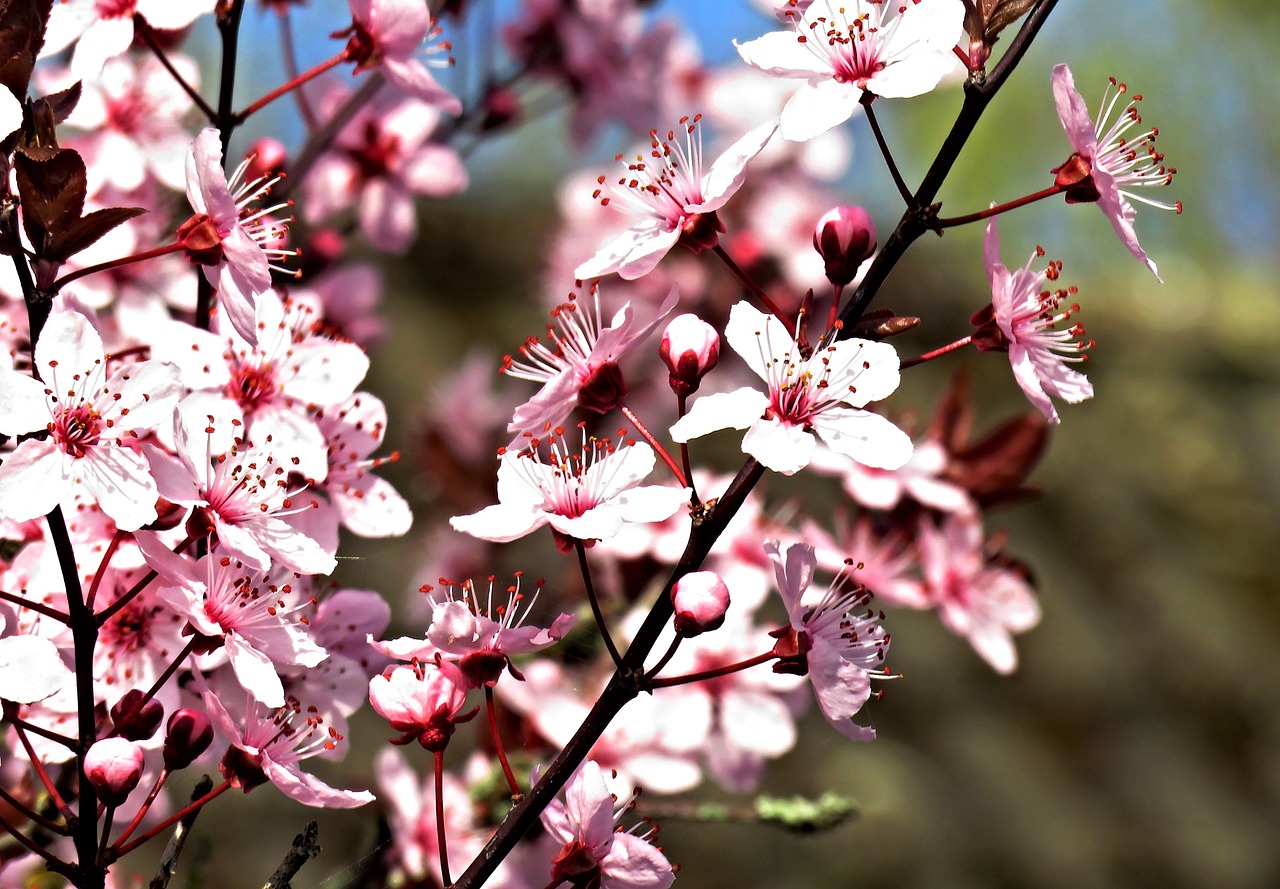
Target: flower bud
x=187, y=734
x=845, y=238
x=701, y=600
x=134, y=720
x=691, y=348
x=114, y=767
x=267, y=157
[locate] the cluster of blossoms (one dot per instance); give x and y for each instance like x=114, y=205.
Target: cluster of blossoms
x=181, y=448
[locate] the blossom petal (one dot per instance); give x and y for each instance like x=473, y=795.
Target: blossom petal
x=723, y=410
x=23, y=406
x=1073, y=113
x=817, y=107
x=730, y=169
x=866, y=437
x=500, y=523
x=781, y=54
x=779, y=446
x=30, y=669
x=33, y=480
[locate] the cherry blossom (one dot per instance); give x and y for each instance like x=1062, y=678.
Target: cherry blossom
x=231, y=240
x=269, y=381
x=1025, y=316
x=844, y=48
x=365, y=504
x=985, y=603
x=820, y=394
x=91, y=417
x=593, y=850
x=259, y=620
x=389, y=34
x=380, y=161
x=103, y=30
x=586, y=495
x=1109, y=164
x=839, y=650
x=673, y=199
x=920, y=479
x=422, y=700
x=268, y=745
x=244, y=494
x=579, y=363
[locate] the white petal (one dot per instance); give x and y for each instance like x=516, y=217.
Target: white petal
x=781, y=54
x=724, y=410
x=730, y=169
x=866, y=437
x=780, y=447
x=817, y=107
x=30, y=669
x=500, y=523
x=23, y=407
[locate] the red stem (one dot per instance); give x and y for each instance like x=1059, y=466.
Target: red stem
x=440, y=832
x=143, y=30
x=754, y=289
x=595, y=603
x=102, y=566
x=142, y=812
x=655, y=444
x=115, y=264
x=49, y=786
x=31, y=814
x=291, y=85
x=713, y=674
x=33, y=846
x=682, y=409
x=937, y=353
x=952, y=221
x=497, y=742
x=121, y=851
x=38, y=608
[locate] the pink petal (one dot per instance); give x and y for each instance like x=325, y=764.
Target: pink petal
x=1073, y=113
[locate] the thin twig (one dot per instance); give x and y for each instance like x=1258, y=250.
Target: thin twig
x=303, y=849
x=173, y=849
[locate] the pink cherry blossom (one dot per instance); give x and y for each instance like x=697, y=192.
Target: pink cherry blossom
x=1109, y=163
x=919, y=479
x=843, y=48
x=229, y=238
x=593, y=850
x=269, y=745
x=821, y=394
x=244, y=492
x=672, y=198
x=268, y=382
x=585, y=495
x=259, y=619
x=885, y=563
x=839, y=650
x=379, y=162
x=389, y=34
x=1026, y=314
x=365, y=504
x=984, y=602
x=91, y=417
x=578, y=366
x=422, y=700
x=104, y=28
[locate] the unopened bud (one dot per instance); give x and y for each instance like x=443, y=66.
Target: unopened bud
x=267, y=157
x=501, y=107
x=187, y=734
x=690, y=347
x=114, y=767
x=845, y=238
x=701, y=600
x=168, y=516
x=135, y=720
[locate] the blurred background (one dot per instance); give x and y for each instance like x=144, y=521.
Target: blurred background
x=1139, y=742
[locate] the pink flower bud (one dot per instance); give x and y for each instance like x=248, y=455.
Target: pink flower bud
x=691, y=348
x=114, y=767
x=187, y=734
x=267, y=157
x=845, y=238
x=701, y=600
x=134, y=720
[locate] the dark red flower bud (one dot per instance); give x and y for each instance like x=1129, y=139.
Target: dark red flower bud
x=690, y=347
x=133, y=719
x=187, y=734
x=845, y=238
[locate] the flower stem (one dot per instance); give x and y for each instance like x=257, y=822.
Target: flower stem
x=106, y=832
x=52, y=789
x=658, y=449
x=952, y=221
x=754, y=289
x=115, y=264
x=55, y=864
x=441, y=839
x=143, y=30
x=57, y=737
x=938, y=353
x=116, y=538
x=595, y=603
x=682, y=407
x=24, y=602
x=712, y=674
x=144, y=808
x=497, y=742
x=119, y=851
x=292, y=84
x=867, y=100
x=665, y=659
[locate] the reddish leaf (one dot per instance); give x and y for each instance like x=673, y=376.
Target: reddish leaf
x=84, y=231
x=51, y=188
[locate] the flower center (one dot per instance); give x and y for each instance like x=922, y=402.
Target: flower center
x=114, y=9
x=77, y=429
x=252, y=386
